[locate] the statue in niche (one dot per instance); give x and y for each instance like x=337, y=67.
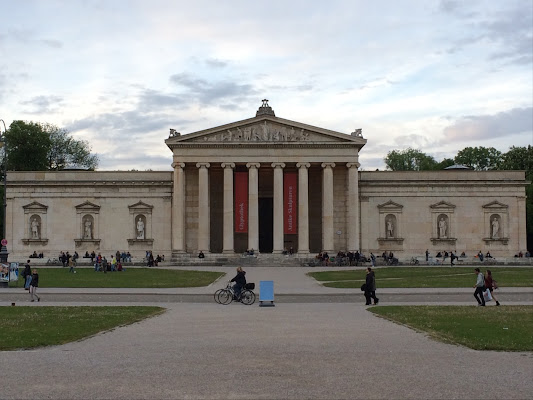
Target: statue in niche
x=390, y=229
x=140, y=228
x=34, y=228
x=495, y=228
x=88, y=229
x=443, y=226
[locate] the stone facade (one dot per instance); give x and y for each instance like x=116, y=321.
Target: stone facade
x=337, y=206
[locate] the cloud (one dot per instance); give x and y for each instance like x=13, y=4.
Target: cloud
x=56, y=44
x=216, y=63
x=210, y=92
x=43, y=104
x=508, y=32
x=514, y=121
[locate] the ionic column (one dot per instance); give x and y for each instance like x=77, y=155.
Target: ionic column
x=303, y=208
x=227, y=241
x=203, y=206
x=327, y=207
x=352, y=203
x=278, y=207
x=178, y=208
x=253, y=206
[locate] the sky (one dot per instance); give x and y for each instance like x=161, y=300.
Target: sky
x=433, y=75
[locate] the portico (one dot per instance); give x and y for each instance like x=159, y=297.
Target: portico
x=264, y=183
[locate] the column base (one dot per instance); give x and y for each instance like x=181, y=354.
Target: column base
x=228, y=251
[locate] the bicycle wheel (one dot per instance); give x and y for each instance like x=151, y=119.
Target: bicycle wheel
x=217, y=293
x=247, y=297
x=225, y=297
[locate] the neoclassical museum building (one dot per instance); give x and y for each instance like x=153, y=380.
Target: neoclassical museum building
x=268, y=184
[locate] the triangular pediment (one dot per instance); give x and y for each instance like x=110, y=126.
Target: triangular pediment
x=442, y=205
x=87, y=206
x=265, y=129
x=35, y=205
x=140, y=205
x=495, y=205
x=390, y=206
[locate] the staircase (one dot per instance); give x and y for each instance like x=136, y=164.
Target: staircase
x=238, y=260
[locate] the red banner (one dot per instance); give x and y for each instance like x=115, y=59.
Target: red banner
x=290, y=203
x=241, y=202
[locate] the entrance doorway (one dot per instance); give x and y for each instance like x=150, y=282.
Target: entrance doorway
x=266, y=224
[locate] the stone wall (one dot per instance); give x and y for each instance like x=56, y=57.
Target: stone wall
x=469, y=200
x=63, y=201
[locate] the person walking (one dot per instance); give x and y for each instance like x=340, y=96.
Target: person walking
x=370, y=287
x=490, y=285
x=372, y=259
x=27, y=275
x=480, y=288
x=34, y=285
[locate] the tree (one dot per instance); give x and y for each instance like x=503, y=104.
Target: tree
x=447, y=162
x=409, y=160
x=479, y=158
x=40, y=147
x=66, y=152
x=27, y=147
x=520, y=158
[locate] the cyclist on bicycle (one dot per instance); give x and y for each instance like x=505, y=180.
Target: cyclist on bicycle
x=240, y=281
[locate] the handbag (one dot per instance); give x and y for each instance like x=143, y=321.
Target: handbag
x=487, y=295
x=363, y=287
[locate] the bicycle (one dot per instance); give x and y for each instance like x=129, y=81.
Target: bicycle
x=414, y=261
x=226, y=295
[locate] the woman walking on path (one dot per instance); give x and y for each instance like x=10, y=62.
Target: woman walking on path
x=34, y=284
x=490, y=284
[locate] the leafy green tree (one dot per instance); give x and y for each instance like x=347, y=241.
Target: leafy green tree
x=520, y=158
x=447, y=162
x=66, y=152
x=479, y=158
x=40, y=147
x=28, y=146
x=409, y=160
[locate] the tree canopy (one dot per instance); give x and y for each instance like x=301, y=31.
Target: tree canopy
x=39, y=147
x=409, y=160
x=479, y=158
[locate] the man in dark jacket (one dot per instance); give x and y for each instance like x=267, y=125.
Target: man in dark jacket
x=27, y=275
x=370, y=288
x=240, y=281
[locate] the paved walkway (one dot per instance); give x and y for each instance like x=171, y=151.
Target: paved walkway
x=290, y=285
x=295, y=350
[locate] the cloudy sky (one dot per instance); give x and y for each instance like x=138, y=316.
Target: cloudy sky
x=436, y=75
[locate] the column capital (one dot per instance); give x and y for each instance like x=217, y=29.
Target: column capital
x=228, y=165
x=203, y=165
x=303, y=165
x=178, y=165
x=277, y=165
x=328, y=165
x=353, y=164
x=253, y=165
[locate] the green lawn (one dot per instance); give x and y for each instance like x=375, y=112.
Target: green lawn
x=30, y=327
x=131, y=278
x=420, y=277
x=505, y=328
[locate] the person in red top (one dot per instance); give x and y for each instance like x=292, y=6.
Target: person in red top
x=490, y=285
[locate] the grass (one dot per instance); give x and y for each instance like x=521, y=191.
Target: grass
x=505, y=328
x=421, y=277
x=132, y=278
x=30, y=327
